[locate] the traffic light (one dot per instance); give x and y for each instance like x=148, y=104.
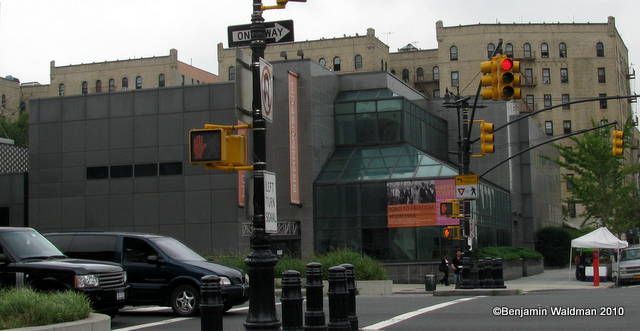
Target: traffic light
x=450, y=208
x=489, y=79
x=508, y=78
x=451, y=232
x=617, y=143
x=447, y=233
x=486, y=137
x=215, y=146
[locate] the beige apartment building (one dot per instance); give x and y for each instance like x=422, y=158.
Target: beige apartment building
x=9, y=97
x=559, y=62
x=119, y=75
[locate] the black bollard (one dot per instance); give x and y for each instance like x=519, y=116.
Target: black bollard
x=468, y=274
x=338, y=303
x=211, y=304
x=351, y=290
x=497, y=274
x=291, y=301
x=314, y=316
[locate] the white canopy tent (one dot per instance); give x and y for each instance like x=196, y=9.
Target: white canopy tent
x=599, y=238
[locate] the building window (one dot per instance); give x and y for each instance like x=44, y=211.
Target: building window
x=336, y=63
x=571, y=206
x=182, y=76
x=393, y=72
x=420, y=74
x=562, y=48
x=528, y=77
x=529, y=101
x=322, y=62
x=548, y=128
x=546, y=76
x=232, y=73
x=170, y=168
x=569, y=177
x=455, y=79
x=198, y=81
x=121, y=171
x=85, y=88
x=599, y=49
x=547, y=100
x=544, y=50
x=436, y=73
x=405, y=74
x=3, y=103
x=490, y=49
x=436, y=94
x=145, y=170
x=98, y=86
x=453, y=53
x=112, y=85
x=61, y=89
x=526, y=50
x=125, y=83
x=566, y=126
x=161, y=80
x=358, y=61
x=603, y=102
x=604, y=121
x=381, y=65
x=601, y=76
x=565, y=100
x=97, y=172
x=508, y=50
x=138, y=82
x=564, y=75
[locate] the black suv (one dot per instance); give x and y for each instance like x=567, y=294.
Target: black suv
x=28, y=259
x=161, y=270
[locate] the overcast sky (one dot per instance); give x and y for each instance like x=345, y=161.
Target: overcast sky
x=34, y=32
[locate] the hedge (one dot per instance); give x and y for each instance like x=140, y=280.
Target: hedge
x=25, y=307
x=508, y=253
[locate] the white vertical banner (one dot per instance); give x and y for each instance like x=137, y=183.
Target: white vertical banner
x=270, y=203
x=266, y=89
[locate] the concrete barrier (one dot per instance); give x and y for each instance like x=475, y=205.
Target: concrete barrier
x=374, y=287
x=95, y=322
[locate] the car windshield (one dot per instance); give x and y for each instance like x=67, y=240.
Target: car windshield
x=177, y=250
x=630, y=254
x=26, y=244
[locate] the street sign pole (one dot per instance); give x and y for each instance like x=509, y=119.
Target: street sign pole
x=261, y=260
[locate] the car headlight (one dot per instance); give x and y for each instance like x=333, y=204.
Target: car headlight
x=224, y=281
x=86, y=281
x=125, y=277
x=246, y=278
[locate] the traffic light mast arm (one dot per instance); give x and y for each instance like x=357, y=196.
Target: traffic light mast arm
x=559, y=105
x=546, y=142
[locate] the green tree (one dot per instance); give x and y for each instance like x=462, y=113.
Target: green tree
x=17, y=129
x=601, y=182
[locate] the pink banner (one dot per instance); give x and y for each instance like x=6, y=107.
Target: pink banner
x=241, y=173
x=294, y=165
x=417, y=203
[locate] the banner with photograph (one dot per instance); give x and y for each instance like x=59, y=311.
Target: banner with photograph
x=417, y=203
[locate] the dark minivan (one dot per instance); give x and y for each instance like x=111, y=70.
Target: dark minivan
x=160, y=270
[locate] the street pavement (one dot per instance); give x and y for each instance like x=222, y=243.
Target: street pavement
x=410, y=308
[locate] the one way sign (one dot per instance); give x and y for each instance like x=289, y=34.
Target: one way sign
x=277, y=32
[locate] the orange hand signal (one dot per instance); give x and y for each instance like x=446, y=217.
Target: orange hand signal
x=198, y=147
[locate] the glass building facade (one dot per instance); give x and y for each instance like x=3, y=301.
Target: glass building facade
x=382, y=139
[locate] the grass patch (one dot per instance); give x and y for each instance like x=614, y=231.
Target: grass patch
x=25, y=307
x=366, y=268
x=508, y=253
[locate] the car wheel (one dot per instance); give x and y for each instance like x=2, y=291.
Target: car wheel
x=185, y=300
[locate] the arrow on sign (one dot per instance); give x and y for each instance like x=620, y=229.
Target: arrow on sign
x=276, y=32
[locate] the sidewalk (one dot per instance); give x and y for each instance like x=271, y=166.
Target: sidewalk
x=550, y=279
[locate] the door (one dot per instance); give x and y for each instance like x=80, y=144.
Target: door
x=148, y=278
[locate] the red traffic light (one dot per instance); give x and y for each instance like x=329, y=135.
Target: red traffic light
x=506, y=64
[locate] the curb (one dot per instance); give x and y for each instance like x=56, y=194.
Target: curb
x=476, y=292
x=95, y=322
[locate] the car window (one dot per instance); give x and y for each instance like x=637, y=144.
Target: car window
x=176, y=249
x=630, y=254
x=137, y=250
x=25, y=244
x=93, y=247
x=60, y=241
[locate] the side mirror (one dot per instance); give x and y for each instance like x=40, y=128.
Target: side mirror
x=154, y=259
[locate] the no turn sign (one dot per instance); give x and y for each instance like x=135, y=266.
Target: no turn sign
x=266, y=89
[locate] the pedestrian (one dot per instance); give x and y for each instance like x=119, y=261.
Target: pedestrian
x=456, y=266
x=577, y=262
x=444, y=268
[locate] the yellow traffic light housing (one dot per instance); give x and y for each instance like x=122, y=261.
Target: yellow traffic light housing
x=509, y=79
x=617, y=143
x=451, y=232
x=489, y=79
x=217, y=147
x=486, y=137
x=450, y=208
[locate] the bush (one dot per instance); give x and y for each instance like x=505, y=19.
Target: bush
x=25, y=307
x=554, y=243
x=508, y=253
x=366, y=268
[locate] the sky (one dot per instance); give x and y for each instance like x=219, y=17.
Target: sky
x=34, y=32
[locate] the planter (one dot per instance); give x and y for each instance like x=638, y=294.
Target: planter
x=95, y=322
x=374, y=287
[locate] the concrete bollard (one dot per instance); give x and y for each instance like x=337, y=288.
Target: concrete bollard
x=211, y=304
x=314, y=316
x=351, y=290
x=291, y=301
x=338, y=300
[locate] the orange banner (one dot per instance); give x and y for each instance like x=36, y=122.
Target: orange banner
x=241, y=173
x=408, y=216
x=294, y=165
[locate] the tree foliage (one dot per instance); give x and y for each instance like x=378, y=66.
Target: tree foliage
x=604, y=184
x=17, y=130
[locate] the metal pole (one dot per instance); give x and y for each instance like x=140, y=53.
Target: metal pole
x=261, y=261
